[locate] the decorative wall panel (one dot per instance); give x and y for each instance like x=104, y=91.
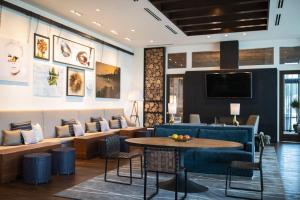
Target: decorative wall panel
x=154, y=86
x=206, y=59
x=261, y=56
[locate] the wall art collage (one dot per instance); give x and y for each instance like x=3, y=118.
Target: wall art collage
x=49, y=80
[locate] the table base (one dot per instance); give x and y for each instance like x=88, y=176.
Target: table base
x=192, y=187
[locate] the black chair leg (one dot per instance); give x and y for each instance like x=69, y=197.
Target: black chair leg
x=261, y=184
x=185, y=183
x=130, y=170
x=145, y=184
x=226, y=186
x=176, y=186
x=118, y=168
x=105, y=171
x=157, y=183
x=141, y=166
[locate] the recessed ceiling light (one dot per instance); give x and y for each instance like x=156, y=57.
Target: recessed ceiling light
x=244, y=34
x=128, y=39
x=97, y=10
x=151, y=41
x=97, y=24
x=76, y=13
x=132, y=30
x=114, y=32
x=226, y=35
x=208, y=36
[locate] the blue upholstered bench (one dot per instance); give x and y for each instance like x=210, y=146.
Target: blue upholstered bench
x=37, y=168
x=63, y=161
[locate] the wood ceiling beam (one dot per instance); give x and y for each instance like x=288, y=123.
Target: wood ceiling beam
x=226, y=25
x=225, y=18
x=209, y=32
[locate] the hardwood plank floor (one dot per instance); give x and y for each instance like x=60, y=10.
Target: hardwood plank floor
x=288, y=157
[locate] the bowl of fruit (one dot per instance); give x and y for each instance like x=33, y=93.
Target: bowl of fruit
x=180, y=138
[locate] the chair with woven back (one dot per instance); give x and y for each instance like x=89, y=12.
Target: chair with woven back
x=112, y=151
x=163, y=160
x=247, y=166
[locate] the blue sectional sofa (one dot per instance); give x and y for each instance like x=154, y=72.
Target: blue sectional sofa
x=214, y=161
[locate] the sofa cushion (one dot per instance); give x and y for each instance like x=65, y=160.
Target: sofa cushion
x=70, y=122
x=38, y=131
x=104, y=125
x=62, y=131
x=11, y=138
x=229, y=135
x=78, y=130
x=97, y=120
x=21, y=125
x=165, y=132
x=222, y=155
x=114, y=123
x=91, y=127
x=29, y=137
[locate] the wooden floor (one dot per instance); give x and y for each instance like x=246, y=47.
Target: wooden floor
x=288, y=157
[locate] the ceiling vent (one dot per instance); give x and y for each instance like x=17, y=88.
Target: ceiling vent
x=171, y=29
x=277, y=20
x=152, y=14
x=280, y=3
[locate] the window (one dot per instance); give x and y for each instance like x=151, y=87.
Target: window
x=262, y=56
x=175, y=92
x=206, y=59
x=289, y=55
x=176, y=60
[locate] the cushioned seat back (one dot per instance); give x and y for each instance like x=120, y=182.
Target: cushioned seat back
x=165, y=132
x=228, y=135
x=108, y=113
x=8, y=117
x=253, y=120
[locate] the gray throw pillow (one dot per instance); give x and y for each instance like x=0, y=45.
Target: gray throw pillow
x=114, y=124
x=11, y=138
x=62, y=131
x=91, y=127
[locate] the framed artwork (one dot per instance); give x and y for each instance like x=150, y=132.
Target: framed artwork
x=48, y=80
x=68, y=52
x=41, y=47
x=75, y=82
x=108, y=80
x=14, y=64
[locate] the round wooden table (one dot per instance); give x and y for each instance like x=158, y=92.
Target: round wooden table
x=199, y=143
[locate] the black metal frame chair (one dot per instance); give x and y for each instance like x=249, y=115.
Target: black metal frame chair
x=249, y=166
x=111, y=150
x=163, y=160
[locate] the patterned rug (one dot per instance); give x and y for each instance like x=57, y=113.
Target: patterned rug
x=96, y=188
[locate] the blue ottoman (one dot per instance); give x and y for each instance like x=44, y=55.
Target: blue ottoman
x=63, y=161
x=37, y=168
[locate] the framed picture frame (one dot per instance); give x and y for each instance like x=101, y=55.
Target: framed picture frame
x=108, y=81
x=68, y=52
x=75, y=82
x=41, y=47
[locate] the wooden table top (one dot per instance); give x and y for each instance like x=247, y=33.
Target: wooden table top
x=194, y=143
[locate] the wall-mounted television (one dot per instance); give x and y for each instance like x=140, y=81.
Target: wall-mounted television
x=229, y=85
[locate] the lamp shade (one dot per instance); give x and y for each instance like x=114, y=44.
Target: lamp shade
x=172, y=108
x=234, y=108
x=135, y=95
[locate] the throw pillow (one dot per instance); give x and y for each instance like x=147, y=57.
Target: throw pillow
x=29, y=137
x=63, y=131
x=114, y=124
x=37, y=129
x=97, y=120
x=70, y=122
x=104, y=125
x=78, y=130
x=124, y=123
x=21, y=125
x=118, y=117
x=11, y=138
x=91, y=127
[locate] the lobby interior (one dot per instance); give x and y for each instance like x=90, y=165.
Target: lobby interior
x=149, y=99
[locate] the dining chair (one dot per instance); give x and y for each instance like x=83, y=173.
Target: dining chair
x=112, y=151
x=247, y=166
x=163, y=160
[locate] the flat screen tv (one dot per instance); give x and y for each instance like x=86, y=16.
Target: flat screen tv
x=229, y=85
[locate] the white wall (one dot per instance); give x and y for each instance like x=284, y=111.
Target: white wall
x=17, y=96
x=242, y=45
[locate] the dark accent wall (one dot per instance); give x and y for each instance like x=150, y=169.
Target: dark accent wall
x=229, y=55
x=263, y=101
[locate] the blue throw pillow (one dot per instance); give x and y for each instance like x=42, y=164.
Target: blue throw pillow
x=166, y=132
x=240, y=136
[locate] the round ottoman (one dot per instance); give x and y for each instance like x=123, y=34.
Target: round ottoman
x=63, y=161
x=37, y=168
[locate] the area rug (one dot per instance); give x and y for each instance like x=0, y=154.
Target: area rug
x=96, y=188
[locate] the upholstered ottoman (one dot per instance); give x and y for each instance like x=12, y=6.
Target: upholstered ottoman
x=37, y=168
x=63, y=161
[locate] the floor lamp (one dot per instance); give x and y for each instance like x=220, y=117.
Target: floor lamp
x=135, y=97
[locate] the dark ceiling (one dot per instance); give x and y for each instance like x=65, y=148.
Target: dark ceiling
x=204, y=17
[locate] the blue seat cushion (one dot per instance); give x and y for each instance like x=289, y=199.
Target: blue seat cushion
x=166, y=132
x=222, y=155
x=240, y=136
